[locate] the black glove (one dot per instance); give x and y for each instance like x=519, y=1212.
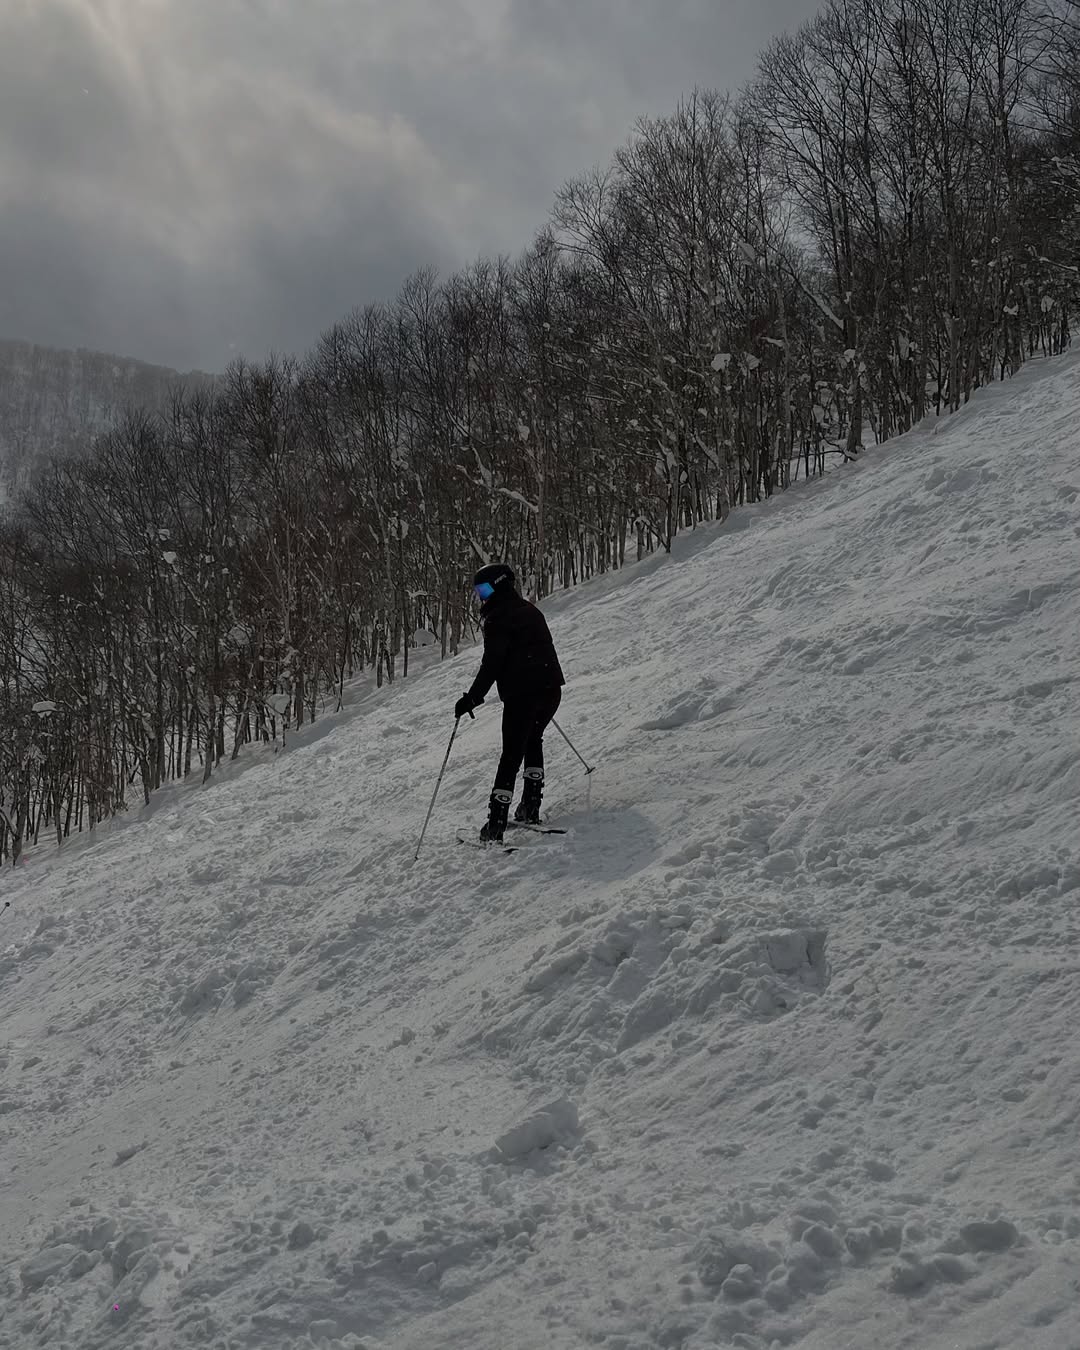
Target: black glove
x=465, y=705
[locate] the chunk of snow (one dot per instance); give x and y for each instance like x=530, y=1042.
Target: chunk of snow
x=538, y=1131
x=748, y=252
x=52, y=1261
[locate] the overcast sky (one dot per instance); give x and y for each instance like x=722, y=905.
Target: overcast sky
x=183, y=180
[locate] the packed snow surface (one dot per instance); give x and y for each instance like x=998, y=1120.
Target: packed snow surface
x=776, y=1047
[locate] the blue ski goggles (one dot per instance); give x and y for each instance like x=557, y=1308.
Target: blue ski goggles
x=484, y=591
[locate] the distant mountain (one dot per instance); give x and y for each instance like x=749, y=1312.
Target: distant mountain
x=56, y=402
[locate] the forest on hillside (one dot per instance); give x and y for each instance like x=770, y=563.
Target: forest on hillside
x=54, y=404
x=754, y=289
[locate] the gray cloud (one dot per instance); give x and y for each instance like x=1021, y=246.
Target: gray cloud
x=183, y=179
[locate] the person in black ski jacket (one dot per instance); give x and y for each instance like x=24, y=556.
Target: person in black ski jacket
x=520, y=659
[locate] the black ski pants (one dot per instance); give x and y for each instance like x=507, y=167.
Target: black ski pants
x=523, y=726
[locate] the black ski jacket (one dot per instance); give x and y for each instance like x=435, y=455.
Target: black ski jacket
x=519, y=655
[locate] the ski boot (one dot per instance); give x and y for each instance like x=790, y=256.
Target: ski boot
x=528, y=809
x=498, y=812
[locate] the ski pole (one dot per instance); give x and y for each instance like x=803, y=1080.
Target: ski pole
x=570, y=743
x=438, y=783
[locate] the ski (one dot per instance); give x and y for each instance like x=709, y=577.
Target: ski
x=536, y=829
x=486, y=846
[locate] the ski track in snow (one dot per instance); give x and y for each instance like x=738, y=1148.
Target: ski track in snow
x=775, y=1048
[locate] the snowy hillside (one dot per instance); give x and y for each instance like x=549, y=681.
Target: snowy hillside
x=55, y=402
x=777, y=1047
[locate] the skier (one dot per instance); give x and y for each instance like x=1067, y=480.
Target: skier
x=519, y=657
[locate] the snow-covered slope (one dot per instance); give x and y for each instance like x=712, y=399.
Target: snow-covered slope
x=778, y=1047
